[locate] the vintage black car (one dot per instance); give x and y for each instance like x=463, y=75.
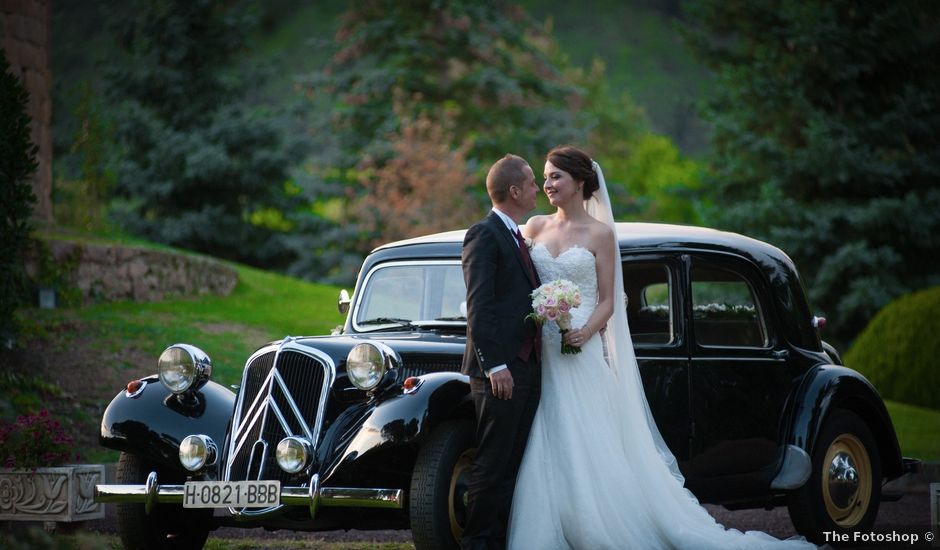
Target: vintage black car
x=372, y=427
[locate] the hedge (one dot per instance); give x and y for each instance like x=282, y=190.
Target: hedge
x=899, y=350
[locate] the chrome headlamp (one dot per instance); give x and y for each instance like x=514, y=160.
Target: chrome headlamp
x=367, y=364
x=293, y=454
x=197, y=451
x=183, y=367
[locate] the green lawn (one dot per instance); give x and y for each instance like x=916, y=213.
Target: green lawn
x=264, y=306
x=918, y=430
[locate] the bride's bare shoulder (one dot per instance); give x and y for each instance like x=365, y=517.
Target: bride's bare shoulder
x=534, y=225
x=600, y=229
x=601, y=233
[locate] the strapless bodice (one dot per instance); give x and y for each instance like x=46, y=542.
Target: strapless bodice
x=576, y=264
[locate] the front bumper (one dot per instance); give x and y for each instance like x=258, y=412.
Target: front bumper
x=312, y=496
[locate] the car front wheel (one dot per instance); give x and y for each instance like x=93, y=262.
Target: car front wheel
x=167, y=526
x=843, y=492
x=439, y=486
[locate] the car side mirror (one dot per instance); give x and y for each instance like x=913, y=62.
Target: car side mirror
x=343, y=303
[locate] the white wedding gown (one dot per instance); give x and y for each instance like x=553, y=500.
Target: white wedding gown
x=591, y=478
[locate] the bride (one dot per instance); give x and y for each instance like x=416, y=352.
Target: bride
x=596, y=472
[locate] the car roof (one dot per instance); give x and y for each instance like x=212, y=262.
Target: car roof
x=640, y=235
x=635, y=237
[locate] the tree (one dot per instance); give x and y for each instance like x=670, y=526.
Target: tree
x=647, y=177
x=826, y=135
x=477, y=68
x=479, y=60
x=201, y=168
x=17, y=165
x=495, y=81
x=424, y=188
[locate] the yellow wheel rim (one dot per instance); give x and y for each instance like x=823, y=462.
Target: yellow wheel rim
x=847, y=481
x=457, y=503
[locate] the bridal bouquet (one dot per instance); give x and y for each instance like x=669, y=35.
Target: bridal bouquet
x=553, y=301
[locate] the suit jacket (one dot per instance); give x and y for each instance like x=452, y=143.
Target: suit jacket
x=498, y=296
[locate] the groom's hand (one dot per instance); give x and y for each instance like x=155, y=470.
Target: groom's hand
x=502, y=384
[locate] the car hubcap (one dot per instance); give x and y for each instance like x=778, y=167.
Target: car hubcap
x=847, y=483
x=459, y=488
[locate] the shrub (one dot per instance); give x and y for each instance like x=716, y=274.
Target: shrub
x=17, y=164
x=33, y=441
x=898, y=350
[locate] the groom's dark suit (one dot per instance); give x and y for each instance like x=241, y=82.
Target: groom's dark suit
x=499, y=286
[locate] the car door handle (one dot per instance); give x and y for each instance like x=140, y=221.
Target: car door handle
x=780, y=353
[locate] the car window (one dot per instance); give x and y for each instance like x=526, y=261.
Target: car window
x=413, y=292
x=724, y=310
x=649, y=303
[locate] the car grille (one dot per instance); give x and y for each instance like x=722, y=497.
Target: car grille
x=282, y=397
x=416, y=366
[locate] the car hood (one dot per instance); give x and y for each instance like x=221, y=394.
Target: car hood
x=405, y=343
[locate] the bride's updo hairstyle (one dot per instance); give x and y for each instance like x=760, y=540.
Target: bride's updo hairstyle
x=577, y=163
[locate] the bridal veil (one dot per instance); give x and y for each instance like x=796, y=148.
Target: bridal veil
x=617, y=340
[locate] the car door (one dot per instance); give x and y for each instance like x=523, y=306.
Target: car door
x=739, y=380
x=653, y=288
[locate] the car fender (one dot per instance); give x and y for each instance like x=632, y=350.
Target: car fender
x=153, y=422
x=404, y=419
x=826, y=387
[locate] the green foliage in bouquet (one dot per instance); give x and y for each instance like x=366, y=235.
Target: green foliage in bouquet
x=34, y=441
x=898, y=350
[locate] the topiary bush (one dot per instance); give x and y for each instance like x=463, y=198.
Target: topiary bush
x=899, y=350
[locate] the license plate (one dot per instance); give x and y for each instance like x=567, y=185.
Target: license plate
x=234, y=494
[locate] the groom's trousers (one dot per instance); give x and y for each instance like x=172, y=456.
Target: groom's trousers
x=502, y=430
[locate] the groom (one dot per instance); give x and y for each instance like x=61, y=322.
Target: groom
x=502, y=350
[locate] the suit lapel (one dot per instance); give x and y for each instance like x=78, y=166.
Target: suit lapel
x=511, y=241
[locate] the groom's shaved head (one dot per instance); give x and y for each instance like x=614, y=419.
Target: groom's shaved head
x=506, y=172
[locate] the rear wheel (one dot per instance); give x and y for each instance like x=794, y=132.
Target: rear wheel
x=168, y=526
x=439, y=486
x=844, y=490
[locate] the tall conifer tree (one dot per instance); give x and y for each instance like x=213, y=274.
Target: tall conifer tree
x=201, y=168
x=827, y=141
x=17, y=166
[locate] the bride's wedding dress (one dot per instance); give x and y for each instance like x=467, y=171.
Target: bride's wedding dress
x=592, y=476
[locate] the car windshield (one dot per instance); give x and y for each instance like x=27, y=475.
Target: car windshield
x=410, y=294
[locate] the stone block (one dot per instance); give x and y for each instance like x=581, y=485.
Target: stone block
x=61, y=493
x=105, y=273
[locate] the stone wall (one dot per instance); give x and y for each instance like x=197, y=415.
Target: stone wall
x=24, y=35
x=107, y=272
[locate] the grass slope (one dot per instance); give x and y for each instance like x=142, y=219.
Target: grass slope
x=73, y=361
x=263, y=307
